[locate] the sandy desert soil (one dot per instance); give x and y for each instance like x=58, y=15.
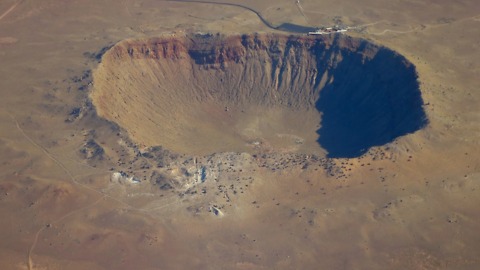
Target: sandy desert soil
x=78, y=191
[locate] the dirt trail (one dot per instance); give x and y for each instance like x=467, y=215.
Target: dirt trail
x=422, y=27
x=62, y=166
x=395, y=31
x=74, y=180
x=37, y=234
x=10, y=9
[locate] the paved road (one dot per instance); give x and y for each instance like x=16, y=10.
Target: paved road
x=264, y=21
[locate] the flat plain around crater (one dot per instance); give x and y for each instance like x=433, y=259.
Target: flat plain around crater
x=182, y=135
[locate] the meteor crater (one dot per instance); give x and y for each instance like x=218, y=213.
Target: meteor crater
x=203, y=93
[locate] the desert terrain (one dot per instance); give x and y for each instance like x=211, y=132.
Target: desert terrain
x=145, y=134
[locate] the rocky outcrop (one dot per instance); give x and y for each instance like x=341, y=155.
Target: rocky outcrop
x=92, y=150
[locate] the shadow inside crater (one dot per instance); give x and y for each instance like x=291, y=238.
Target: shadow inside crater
x=368, y=102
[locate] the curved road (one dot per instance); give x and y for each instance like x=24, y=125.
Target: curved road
x=264, y=21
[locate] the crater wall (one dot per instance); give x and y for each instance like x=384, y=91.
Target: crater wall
x=201, y=94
